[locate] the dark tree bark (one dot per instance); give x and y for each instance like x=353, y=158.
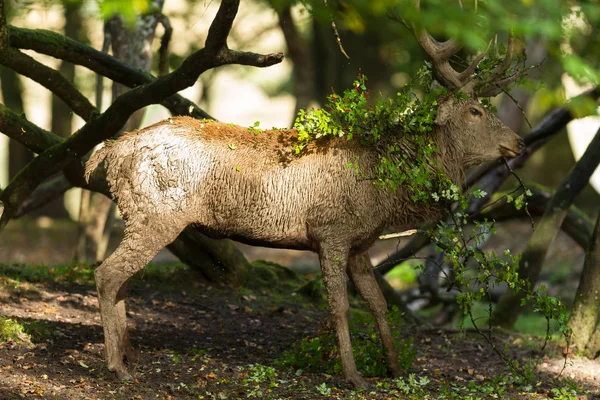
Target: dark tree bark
x=301, y=57
x=508, y=309
x=18, y=155
x=584, y=314
x=217, y=260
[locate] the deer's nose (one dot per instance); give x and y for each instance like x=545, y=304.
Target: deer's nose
x=522, y=146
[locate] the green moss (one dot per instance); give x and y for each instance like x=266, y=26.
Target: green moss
x=64, y=273
x=267, y=274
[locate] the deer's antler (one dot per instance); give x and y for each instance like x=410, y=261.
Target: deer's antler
x=441, y=52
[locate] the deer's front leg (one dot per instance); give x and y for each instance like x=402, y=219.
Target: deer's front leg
x=110, y=283
x=333, y=265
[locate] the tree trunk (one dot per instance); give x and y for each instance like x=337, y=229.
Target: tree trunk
x=217, y=260
x=508, y=309
x=584, y=314
x=301, y=57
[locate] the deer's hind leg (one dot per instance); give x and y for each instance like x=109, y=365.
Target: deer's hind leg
x=137, y=249
x=360, y=270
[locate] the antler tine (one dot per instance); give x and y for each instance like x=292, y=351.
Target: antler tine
x=466, y=74
x=440, y=53
x=508, y=58
x=497, y=87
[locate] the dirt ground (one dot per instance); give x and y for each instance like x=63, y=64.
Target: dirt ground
x=198, y=341
x=202, y=342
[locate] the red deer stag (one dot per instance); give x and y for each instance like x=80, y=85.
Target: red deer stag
x=183, y=171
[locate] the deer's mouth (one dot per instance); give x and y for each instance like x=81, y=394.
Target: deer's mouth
x=509, y=152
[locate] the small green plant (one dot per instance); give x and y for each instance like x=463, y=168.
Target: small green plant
x=260, y=373
x=197, y=353
x=323, y=389
x=254, y=129
x=412, y=386
x=12, y=331
x=320, y=353
x=563, y=394
x=176, y=358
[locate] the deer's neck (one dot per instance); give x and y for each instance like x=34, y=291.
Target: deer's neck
x=451, y=157
x=407, y=213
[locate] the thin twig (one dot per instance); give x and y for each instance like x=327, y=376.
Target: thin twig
x=510, y=96
x=336, y=33
x=522, y=184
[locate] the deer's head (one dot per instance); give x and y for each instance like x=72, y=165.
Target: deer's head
x=462, y=118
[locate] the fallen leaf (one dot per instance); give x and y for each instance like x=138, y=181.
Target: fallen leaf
x=211, y=376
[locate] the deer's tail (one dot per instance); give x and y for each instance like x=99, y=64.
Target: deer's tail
x=96, y=159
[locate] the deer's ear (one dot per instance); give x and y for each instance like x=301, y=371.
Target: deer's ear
x=444, y=111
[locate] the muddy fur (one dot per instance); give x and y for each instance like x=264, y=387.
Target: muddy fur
x=229, y=182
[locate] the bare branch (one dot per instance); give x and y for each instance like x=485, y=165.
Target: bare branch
x=249, y=58
x=163, y=51
x=44, y=194
x=221, y=26
x=396, y=235
x=50, y=79
x=64, y=48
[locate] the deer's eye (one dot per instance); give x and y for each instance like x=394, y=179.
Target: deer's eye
x=475, y=112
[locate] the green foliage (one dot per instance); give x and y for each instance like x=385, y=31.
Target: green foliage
x=323, y=389
x=489, y=270
x=129, y=10
x=254, y=129
x=405, y=272
x=320, y=353
x=400, y=124
x=259, y=373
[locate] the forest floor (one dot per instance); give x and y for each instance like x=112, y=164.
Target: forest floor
x=198, y=341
